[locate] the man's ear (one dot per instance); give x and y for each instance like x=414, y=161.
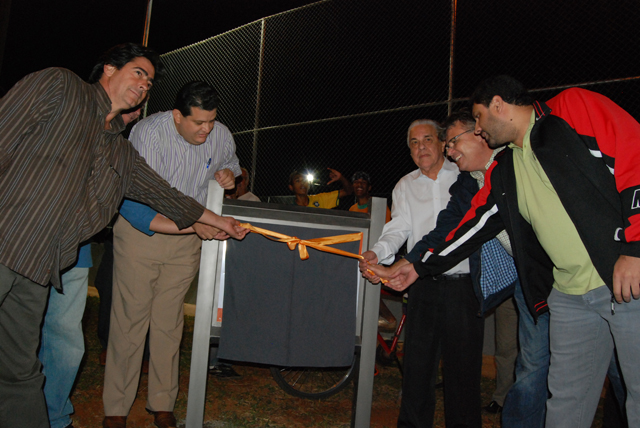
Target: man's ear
x=497, y=103
x=290, y=187
x=109, y=69
x=177, y=116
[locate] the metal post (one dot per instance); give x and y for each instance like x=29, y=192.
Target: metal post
x=204, y=314
x=364, y=392
x=145, y=42
x=452, y=45
x=256, y=122
x=147, y=24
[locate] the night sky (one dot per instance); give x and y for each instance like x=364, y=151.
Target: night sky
x=343, y=59
x=73, y=33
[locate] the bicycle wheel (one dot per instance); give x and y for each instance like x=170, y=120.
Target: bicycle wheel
x=315, y=383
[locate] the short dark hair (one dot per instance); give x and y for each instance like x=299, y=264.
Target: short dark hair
x=293, y=176
x=463, y=116
x=243, y=170
x=361, y=175
x=511, y=90
x=120, y=55
x=196, y=94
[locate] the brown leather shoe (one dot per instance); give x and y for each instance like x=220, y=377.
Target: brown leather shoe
x=114, y=422
x=145, y=366
x=163, y=419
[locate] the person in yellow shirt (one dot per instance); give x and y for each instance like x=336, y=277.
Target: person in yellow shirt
x=300, y=187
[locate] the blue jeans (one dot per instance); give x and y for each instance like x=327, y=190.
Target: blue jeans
x=62, y=344
x=582, y=331
x=524, y=406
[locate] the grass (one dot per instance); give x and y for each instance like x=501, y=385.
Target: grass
x=255, y=400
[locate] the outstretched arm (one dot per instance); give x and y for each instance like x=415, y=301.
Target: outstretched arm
x=347, y=187
x=229, y=225
x=149, y=221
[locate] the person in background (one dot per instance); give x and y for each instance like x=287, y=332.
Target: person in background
x=300, y=188
x=506, y=352
x=361, y=182
x=242, y=188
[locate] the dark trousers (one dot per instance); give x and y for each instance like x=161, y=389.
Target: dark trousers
x=104, y=285
x=442, y=319
x=22, y=305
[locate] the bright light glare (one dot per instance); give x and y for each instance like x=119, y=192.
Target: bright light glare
x=310, y=178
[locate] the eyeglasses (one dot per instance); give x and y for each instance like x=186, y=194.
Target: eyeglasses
x=452, y=142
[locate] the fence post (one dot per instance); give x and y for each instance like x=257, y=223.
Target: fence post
x=256, y=122
x=452, y=49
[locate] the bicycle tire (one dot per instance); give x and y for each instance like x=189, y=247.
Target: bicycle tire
x=315, y=383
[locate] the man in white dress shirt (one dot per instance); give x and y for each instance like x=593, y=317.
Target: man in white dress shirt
x=441, y=313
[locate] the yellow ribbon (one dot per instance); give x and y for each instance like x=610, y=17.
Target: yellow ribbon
x=319, y=244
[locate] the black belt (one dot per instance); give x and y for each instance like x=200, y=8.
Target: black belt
x=452, y=277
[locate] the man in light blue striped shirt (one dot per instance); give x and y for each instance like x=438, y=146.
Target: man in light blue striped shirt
x=188, y=147
x=152, y=274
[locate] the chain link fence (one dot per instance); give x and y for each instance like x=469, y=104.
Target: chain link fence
x=336, y=83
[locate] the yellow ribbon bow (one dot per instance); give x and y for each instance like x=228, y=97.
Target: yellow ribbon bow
x=319, y=244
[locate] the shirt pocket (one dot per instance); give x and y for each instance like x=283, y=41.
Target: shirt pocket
x=107, y=184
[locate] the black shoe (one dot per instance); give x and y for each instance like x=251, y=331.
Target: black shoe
x=224, y=372
x=493, y=407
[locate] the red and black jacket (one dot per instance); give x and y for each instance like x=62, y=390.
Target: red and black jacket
x=589, y=148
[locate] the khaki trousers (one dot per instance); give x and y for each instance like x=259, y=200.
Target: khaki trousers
x=506, y=322
x=151, y=275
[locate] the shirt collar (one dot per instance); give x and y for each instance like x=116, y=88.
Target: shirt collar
x=526, y=141
x=446, y=166
x=541, y=109
x=479, y=175
x=104, y=108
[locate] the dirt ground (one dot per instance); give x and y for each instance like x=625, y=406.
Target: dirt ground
x=255, y=400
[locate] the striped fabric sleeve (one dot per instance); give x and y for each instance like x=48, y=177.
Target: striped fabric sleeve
x=231, y=163
x=616, y=140
x=27, y=104
x=480, y=224
x=145, y=140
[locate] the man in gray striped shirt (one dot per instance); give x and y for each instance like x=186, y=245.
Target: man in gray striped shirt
x=152, y=274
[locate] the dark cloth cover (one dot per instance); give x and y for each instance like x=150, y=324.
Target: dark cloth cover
x=280, y=310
